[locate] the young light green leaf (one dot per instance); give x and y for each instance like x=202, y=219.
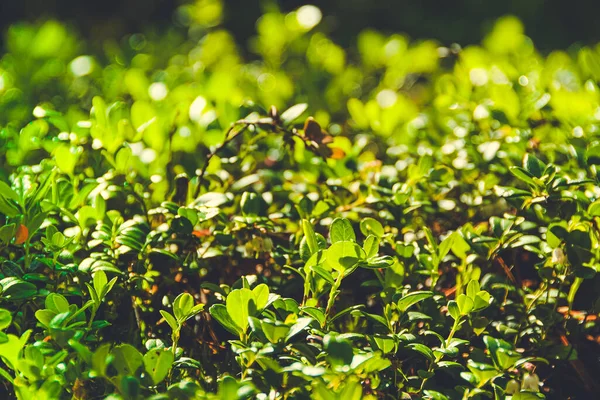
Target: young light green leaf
x=170, y=320
x=465, y=304
x=453, y=309
x=473, y=288
x=5, y=319
x=240, y=305
x=100, y=282
x=57, y=302
x=261, y=296
x=343, y=255
x=182, y=305
x=219, y=312
x=371, y=246
x=447, y=244
x=311, y=238
x=93, y=295
x=341, y=230
x=370, y=226
x=481, y=300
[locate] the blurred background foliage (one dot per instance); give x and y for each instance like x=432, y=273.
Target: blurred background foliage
x=550, y=23
x=172, y=75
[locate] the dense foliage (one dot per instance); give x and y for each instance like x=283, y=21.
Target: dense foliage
x=183, y=219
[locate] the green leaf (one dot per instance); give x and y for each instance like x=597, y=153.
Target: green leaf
x=9, y=209
x=274, y=331
x=386, y=344
x=465, y=304
x=380, y=262
x=17, y=289
x=341, y=230
x=501, y=352
x=357, y=111
x=240, y=305
x=66, y=158
x=482, y=372
x=371, y=246
x=323, y=273
x=421, y=348
x=339, y=351
x=93, y=295
x=481, y=300
x=130, y=387
x=7, y=232
x=370, y=226
x=251, y=204
x=376, y=318
x=293, y=113
x=299, y=326
x=317, y=313
x=430, y=239
x=394, y=275
x=594, y=208
x=126, y=359
x=573, y=290
x=157, y=363
x=343, y=255
x=8, y=193
x=413, y=298
x=453, y=309
x=311, y=238
x=533, y=165
x=447, y=244
x=523, y=175
x=99, y=359
x=219, y=312
x=473, y=288
x=351, y=390
x=11, y=349
x=57, y=303
x=108, y=287
x=182, y=305
x=346, y=311
x=5, y=319
x=100, y=281
x=45, y=316
x=261, y=296
x=170, y=320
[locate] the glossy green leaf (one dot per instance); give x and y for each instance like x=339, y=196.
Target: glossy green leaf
x=341, y=230
x=126, y=359
x=413, y=298
x=157, y=363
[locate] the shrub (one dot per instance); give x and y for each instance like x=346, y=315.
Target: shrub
x=395, y=220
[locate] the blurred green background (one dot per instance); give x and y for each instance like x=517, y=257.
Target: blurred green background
x=550, y=23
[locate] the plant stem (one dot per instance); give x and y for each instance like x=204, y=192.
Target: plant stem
x=175, y=338
x=332, y=296
x=439, y=357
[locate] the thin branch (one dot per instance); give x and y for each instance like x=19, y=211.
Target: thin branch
x=216, y=151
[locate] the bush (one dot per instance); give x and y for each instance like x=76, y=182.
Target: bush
x=395, y=220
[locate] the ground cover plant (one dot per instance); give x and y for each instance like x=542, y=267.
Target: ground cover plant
x=183, y=217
